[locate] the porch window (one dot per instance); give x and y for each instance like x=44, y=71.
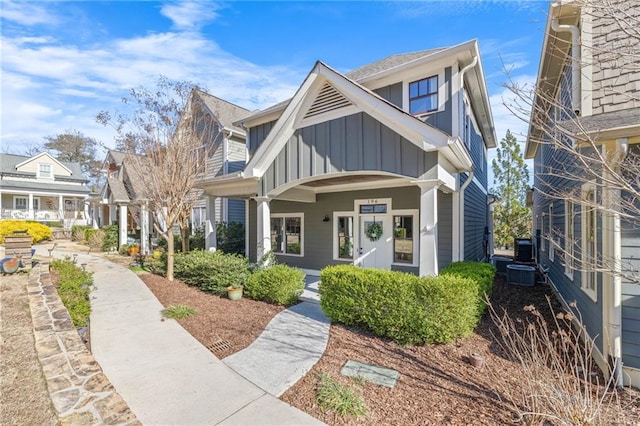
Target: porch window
x=345, y=237
x=590, y=241
x=403, y=239
x=423, y=95
x=20, y=203
x=286, y=234
x=44, y=171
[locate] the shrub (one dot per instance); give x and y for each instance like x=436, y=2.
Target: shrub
x=482, y=273
x=37, y=231
x=337, y=397
x=110, y=240
x=178, y=312
x=279, y=284
x=401, y=306
x=94, y=237
x=230, y=237
x=74, y=286
x=78, y=232
x=210, y=271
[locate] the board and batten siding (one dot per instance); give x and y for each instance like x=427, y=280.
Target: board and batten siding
x=391, y=93
x=353, y=143
x=445, y=229
x=631, y=295
x=257, y=135
x=475, y=221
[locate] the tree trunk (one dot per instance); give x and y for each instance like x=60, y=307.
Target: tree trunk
x=184, y=233
x=170, y=255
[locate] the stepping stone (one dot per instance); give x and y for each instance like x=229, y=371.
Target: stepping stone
x=373, y=373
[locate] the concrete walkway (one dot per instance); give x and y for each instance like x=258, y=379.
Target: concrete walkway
x=161, y=371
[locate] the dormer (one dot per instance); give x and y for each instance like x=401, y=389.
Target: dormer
x=44, y=166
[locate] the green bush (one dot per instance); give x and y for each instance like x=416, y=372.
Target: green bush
x=74, y=286
x=230, y=237
x=279, y=284
x=401, y=306
x=482, y=273
x=37, y=231
x=78, y=232
x=210, y=271
x=110, y=240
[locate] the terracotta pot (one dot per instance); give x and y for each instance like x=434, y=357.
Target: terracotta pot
x=476, y=360
x=234, y=293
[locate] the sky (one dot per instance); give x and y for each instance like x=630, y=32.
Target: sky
x=64, y=62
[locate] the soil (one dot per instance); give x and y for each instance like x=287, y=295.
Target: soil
x=437, y=385
x=24, y=398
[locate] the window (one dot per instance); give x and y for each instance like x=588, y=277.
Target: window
x=345, y=237
x=552, y=249
x=590, y=240
x=373, y=208
x=542, y=237
x=20, y=203
x=198, y=218
x=568, y=239
x=286, y=234
x=423, y=95
x=44, y=171
x=403, y=239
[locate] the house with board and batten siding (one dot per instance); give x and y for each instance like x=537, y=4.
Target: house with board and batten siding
x=587, y=98
x=385, y=166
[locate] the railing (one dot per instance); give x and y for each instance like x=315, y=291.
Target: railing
x=42, y=215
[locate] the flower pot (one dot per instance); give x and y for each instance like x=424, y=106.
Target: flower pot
x=476, y=360
x=234, y=293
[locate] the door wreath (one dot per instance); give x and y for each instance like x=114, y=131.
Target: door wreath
x=373, y=231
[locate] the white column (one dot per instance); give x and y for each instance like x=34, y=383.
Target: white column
x=144, y=229
x=122, y=221
x=263, y=228
x=31, y=214
x=61, y=207
x=210, y=241
x=428, y=229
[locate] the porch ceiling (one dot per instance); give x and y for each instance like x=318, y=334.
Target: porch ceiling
x=346, y=180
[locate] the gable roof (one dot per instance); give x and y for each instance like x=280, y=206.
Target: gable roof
x=10, y=162
x=390, y=62
x=226, y=112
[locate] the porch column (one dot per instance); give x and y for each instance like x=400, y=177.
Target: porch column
x=144, y=229
x=31, y=213
x=429, y=229
x=122, y=225
x=61, y=207
x=210, y=240
x=263, y=227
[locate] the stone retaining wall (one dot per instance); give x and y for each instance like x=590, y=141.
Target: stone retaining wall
x=80, y=391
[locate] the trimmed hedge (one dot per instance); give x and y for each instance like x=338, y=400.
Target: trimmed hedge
x=74, y=286
x=401, y=306
x=482, y=273
x=210, y=271
x=279, y=284
x=37, y=231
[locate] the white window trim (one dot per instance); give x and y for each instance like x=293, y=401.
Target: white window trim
x=291, y=215
x=335, y=239
x=416, y=240
x=542, y=236
x=45, y=177
x=17, y=197
x=552, y=249
x=591, y=292
x=569, y=238
x=442, y=92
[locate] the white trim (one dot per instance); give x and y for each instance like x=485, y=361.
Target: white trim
x=479, y=185
x=552, y=241
x=284, y=232
x=589, y=187
x=246, y=228
x=415, y=213
x=334, y=236
x=569, y=239
x=39, y=171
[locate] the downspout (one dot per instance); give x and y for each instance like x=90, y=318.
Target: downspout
x=575, y=62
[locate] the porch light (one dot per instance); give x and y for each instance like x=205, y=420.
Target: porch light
x=326, y=218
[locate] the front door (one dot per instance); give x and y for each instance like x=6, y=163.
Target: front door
x=376, y=241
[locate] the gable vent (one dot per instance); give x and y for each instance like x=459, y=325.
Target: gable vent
x=328, y=99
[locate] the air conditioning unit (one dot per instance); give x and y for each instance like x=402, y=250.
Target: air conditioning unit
x=521, y=275
x=501, y=264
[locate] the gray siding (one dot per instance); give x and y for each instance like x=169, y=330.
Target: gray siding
x=392, y=93
x=353, y=143
x=475, y=221
x=445, y=229
x=257, y=135
x=631, y=295
x=235, y=210
x=477, y=152
x=443, y=120
x=318, y=235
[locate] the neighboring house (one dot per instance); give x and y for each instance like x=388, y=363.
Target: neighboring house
x=42, y=188
x=583, y=88
x=224, y=153
x=382, y=167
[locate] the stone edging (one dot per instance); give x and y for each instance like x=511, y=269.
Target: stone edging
x=79, y=390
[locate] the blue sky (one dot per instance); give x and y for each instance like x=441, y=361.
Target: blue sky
x=63, y=62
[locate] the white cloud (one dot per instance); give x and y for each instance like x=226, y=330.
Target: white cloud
x=27, y=13
x=191, y=15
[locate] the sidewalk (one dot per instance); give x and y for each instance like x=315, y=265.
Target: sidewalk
x=162, y=372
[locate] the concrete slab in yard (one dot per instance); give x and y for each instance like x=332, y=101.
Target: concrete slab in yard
x=373, y=373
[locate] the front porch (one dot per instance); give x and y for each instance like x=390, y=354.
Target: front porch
x=46, y=208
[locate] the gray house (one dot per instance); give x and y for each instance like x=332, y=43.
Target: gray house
x=385, y=166
x=588, y=98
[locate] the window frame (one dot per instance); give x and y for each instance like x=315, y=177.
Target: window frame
x=589, y=282
x=552, y=249
x=416, y=240
x=284, y=217
x=50, y=174
x=336, y=237
x=435, y=93
x=20, y=197
x=542, y=236
x=569, y=238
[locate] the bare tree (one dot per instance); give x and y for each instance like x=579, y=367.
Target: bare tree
x=584, y=149
x=170, y=134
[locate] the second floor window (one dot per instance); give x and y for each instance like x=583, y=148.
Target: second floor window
x=423, y=95
x=44, y=171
